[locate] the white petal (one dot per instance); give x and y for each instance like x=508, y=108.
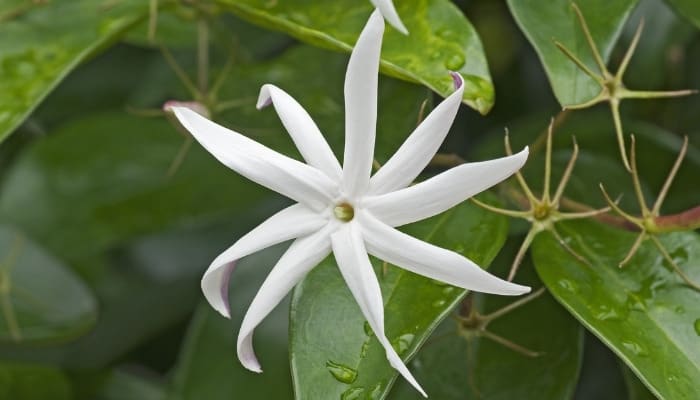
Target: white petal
x=442, y=191
x=361, y=107
x=258, y=163
x=290, y=223
x=302, y=256
x=306, y=135
x=386, y=7
x=420, y=147
x=354, y=265
x=417, y=256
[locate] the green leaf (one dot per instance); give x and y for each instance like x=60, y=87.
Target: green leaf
x=441, y=39
x=452, y=367
x=643, y=312
x=120, y=385
x=690, y=9
x=33, y=382
x=207, y=367
x=40, y=299
x=42, y=44
x=555, y=20
x=328, y=332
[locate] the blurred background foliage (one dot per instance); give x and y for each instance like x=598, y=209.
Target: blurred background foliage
x=109, y=215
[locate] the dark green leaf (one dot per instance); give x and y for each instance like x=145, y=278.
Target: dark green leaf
x=441, y=39
x=33, y=382
x=327, y=327
x=643, y=312
x=690, y=9
x=635, y=388
x=208, y=368
x=555, y=20
x=121, y=385
x=452, y=367
x=43, y=43
x=40, y=299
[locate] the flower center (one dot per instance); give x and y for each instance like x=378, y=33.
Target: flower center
x=344, y=212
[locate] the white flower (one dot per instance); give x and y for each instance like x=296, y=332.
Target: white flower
x=341, y=209
x=387, y=9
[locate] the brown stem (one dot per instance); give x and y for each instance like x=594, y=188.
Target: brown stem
x=683, y=221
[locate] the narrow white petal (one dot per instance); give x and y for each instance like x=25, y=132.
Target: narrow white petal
x=292, y=222
x=361, y=107
x=302, y=256
x=442, y=191
x=386, y=7
x=407, y=252
x=258, y=163
x=306, y=135
x=420, y=147
x=354, y=265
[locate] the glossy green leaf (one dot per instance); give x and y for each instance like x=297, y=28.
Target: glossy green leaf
x=555, y=20
x=441, y=39
x=643, y=312
x=689, y=9
x=40, y=299
x=33, y=382
x=207, y=367
x=41, y=44
x=451, y=367
x=328, y=333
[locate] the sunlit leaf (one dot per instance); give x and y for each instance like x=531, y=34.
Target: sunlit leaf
x=644, y=312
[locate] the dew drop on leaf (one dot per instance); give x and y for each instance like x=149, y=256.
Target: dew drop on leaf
x=697, y=326
x=635, y=348
x=341, y=372
x=352, y=394
x=454, y=62
x=403, y=342
x=567, y=284
x=439, y=303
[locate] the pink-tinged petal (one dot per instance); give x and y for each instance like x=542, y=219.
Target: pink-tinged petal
x=306, y=135
x=417, y=256
x=354, y=265
x=443, y=191
x=260, y=164
x=361, y=107
x=302, y=256
x=290, y=223
x=420, y=147
x=386, y=7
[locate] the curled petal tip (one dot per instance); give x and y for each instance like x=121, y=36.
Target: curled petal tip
x=457, y=79
x=264, y=99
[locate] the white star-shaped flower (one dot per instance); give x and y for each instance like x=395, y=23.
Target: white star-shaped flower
x=343, y=210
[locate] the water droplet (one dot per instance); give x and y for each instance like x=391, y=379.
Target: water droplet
x=567, y=284
x=672, y=378
x=635, y=348
x=606, y=313
x=447, y=290
x=341, y=372
x=697, y=326
x=368, y=329
x=448, y=34
x=364, y=348
x=352, y=393
x=459, y=248
x=403, y=342
x=376, y=392
x=680, y=310
x=439, y=303
x=455, y=62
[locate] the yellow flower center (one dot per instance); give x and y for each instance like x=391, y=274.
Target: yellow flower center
x=344, y=212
